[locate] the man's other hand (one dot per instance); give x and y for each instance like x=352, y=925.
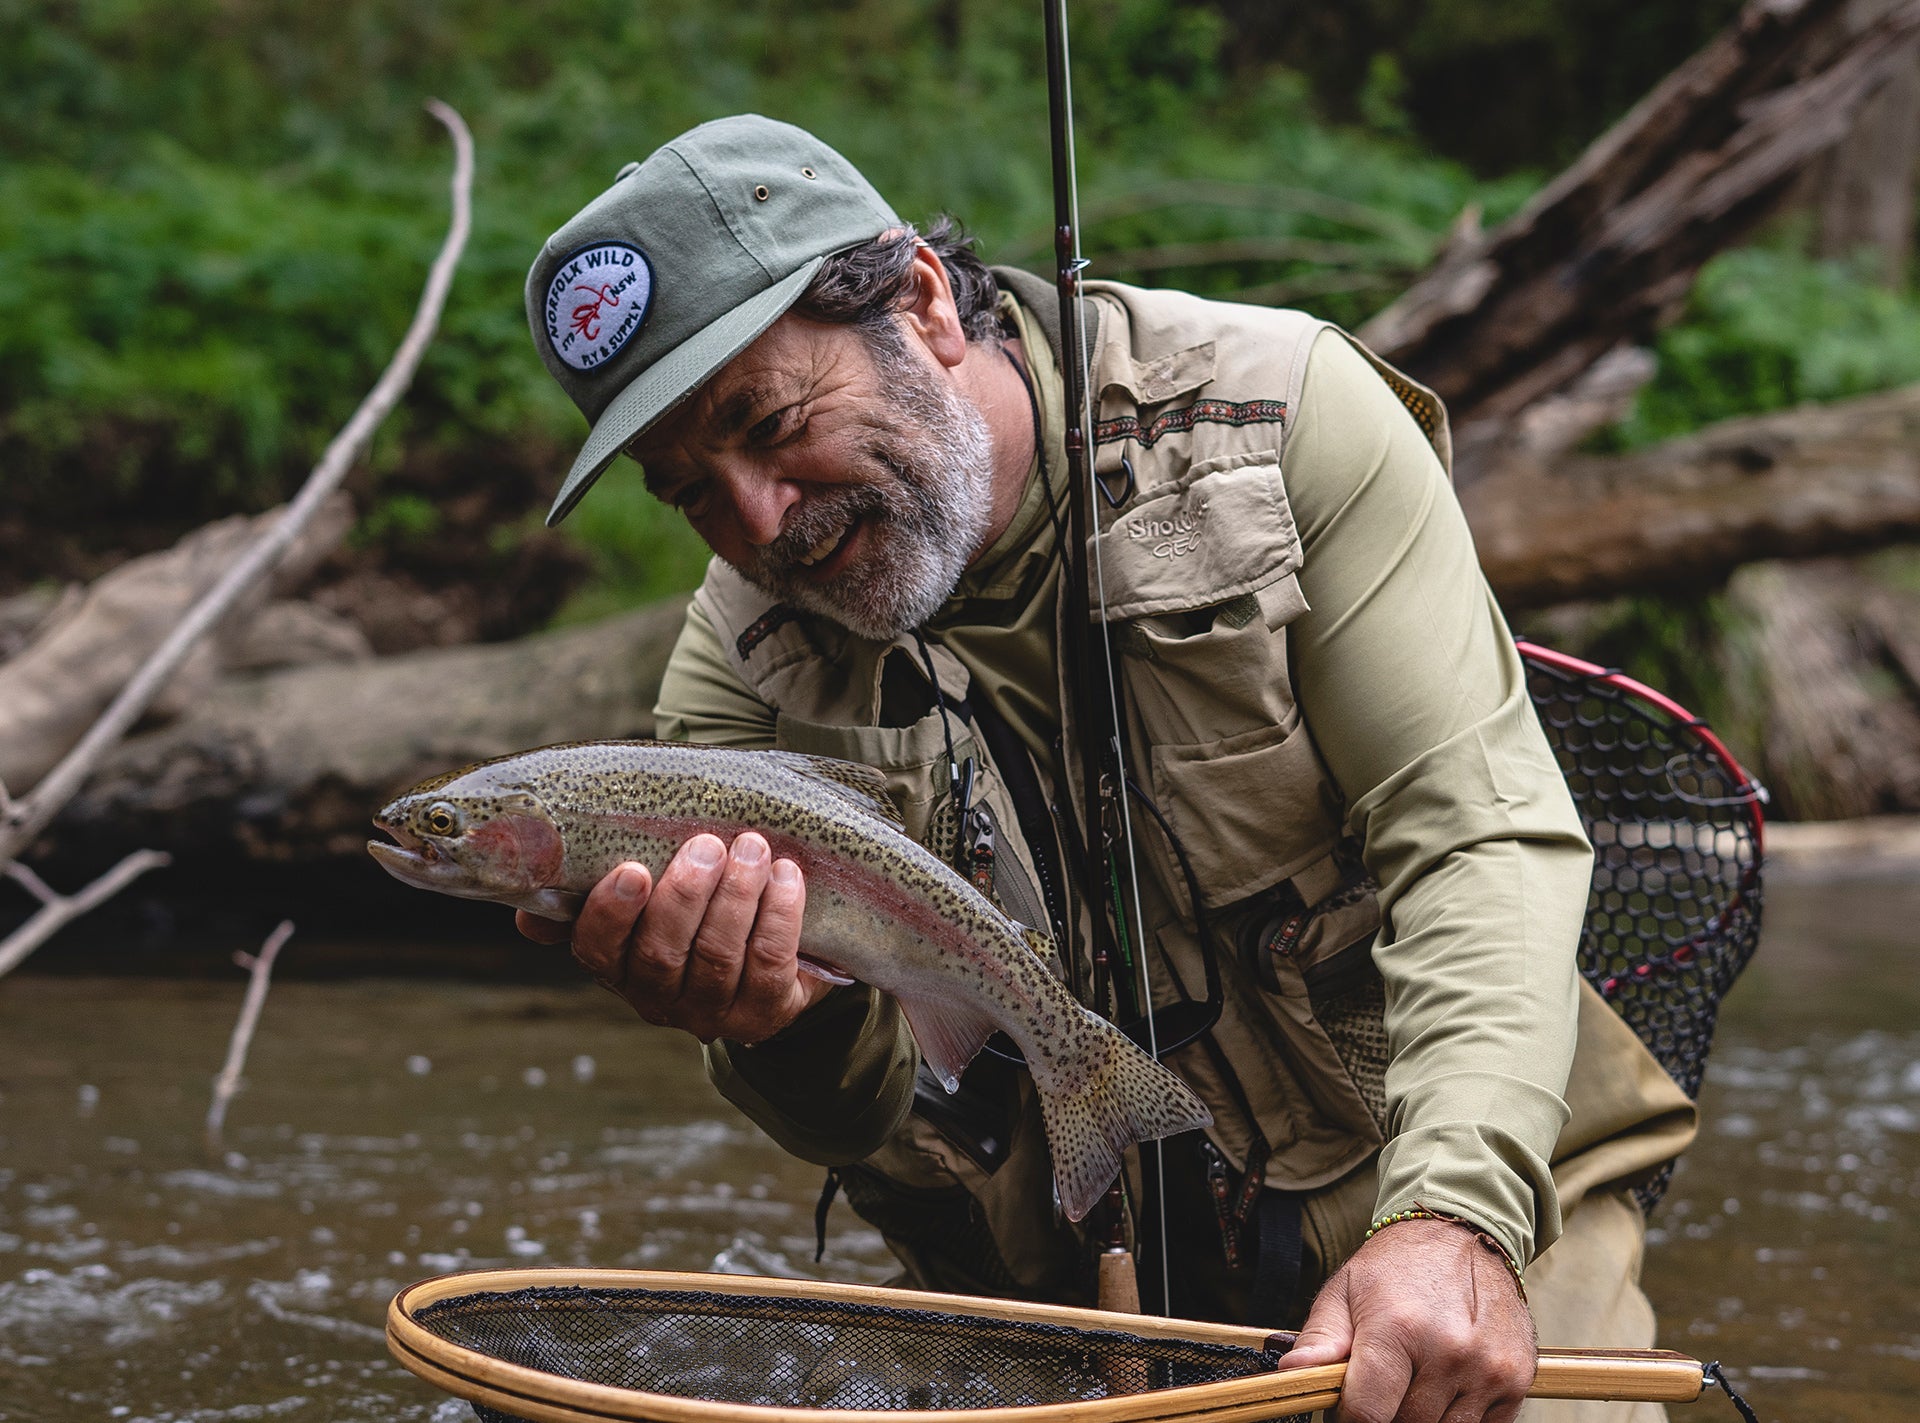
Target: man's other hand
x=1433, y=1324
x=712, y=949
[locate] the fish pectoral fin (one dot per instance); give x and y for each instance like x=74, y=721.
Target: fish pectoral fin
x=826, y=971
x=950, y=1034
x=558, y=904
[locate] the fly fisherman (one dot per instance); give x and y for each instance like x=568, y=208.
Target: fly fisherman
x=1343, y=811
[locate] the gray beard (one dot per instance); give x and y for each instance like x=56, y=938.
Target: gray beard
x=925, y=518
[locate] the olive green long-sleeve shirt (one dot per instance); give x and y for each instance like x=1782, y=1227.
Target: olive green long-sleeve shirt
x=1416, y=700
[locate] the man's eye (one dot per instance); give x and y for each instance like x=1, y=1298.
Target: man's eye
x=775, y=427
x=689, y=498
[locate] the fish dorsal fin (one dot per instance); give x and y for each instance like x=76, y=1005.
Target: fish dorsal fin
x=854, y=783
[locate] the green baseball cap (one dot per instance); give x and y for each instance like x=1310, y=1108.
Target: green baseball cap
x=677, y=268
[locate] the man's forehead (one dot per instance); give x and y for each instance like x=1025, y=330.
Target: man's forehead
x=781, y=366
x=770, y=367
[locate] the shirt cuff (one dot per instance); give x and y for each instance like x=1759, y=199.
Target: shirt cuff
x=833, y=1084
x=1457, y=1162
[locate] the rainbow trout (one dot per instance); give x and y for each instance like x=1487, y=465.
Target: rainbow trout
x=539, y=829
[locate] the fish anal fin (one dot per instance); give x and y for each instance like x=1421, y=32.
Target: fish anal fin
x=950, y=1034
x=852, y=782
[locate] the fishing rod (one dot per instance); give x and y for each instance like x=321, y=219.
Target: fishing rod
x=1100, y=746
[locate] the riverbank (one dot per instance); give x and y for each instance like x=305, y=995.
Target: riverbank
x=1877, y=847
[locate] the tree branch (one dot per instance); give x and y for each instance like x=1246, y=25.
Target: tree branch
x=1801, y=483
x=26, y=817
x=55, y=913
x=1605, y=252
x=260, y=967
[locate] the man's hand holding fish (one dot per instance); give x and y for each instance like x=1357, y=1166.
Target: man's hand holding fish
x=712, y=949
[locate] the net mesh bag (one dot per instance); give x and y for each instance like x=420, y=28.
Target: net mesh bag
x=786, y=1352
x=1674, y=911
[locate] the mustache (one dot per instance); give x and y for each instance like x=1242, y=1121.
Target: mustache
x=834, y=510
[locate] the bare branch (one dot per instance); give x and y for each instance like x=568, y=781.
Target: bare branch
x=227, y=1083
x=26, y=818
x=62, y=909
x=31, y=883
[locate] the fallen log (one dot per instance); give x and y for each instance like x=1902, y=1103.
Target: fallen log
x=1807, y=482
x=289, y=766
x=83, y=654
x=1838, y=739
x=1604, y=254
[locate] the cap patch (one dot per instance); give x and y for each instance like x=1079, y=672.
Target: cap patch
x=597, y=302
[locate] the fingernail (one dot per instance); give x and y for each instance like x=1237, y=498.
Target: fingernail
x=785, y=872
x=704, y=851
x=749, y=850
x=626, y=886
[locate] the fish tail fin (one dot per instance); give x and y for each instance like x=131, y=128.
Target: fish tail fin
x=1101, y=1101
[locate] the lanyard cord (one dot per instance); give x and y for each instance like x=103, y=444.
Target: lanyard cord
x=1040, y=457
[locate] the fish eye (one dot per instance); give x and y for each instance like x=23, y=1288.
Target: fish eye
x=440, y=820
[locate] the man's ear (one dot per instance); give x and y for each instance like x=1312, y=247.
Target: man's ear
x=930, y=312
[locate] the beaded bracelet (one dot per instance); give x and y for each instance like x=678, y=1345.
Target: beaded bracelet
x=1419, y=1212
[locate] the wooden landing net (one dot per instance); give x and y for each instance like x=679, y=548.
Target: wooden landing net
x=562, y=1346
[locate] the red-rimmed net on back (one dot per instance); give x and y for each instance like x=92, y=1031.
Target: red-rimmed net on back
x=1674, y=912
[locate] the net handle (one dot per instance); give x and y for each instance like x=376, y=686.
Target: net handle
x=1649, y=1376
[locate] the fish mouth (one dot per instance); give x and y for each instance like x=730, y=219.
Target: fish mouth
x=406, y=856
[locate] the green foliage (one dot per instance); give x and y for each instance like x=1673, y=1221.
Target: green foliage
x=1498, y=84
x=214, y=221
x=1766, y=329
x=399, y=519
x=642, y=549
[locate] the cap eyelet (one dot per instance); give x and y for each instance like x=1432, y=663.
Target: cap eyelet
x=760, y=193
x=806, y=173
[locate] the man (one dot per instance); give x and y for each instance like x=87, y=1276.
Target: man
x=1343, y=810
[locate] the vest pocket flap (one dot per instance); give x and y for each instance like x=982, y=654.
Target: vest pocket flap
x=1248, y=809
x=1224, y=530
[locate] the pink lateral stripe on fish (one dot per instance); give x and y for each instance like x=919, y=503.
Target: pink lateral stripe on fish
x=537, y=830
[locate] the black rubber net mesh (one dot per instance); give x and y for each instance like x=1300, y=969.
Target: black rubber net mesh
x=1674, y=913
x=802, y=1353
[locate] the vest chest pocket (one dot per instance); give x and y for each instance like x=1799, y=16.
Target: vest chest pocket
x=912, y=758
x=1209, y=691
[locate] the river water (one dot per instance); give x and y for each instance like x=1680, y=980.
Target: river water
x=394, y=1129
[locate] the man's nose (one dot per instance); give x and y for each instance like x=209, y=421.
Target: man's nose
x=760, y=504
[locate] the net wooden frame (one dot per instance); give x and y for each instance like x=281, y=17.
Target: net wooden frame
x=540, y=1397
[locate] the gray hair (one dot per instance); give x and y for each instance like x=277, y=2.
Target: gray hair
x=863, y=286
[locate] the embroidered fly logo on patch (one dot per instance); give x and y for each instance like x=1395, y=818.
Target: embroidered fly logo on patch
x=586, y=314
x=597, y=302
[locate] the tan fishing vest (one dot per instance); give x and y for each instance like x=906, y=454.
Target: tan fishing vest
x=1201, y=561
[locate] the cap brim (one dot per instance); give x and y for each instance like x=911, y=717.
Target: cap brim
x=671, y=379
